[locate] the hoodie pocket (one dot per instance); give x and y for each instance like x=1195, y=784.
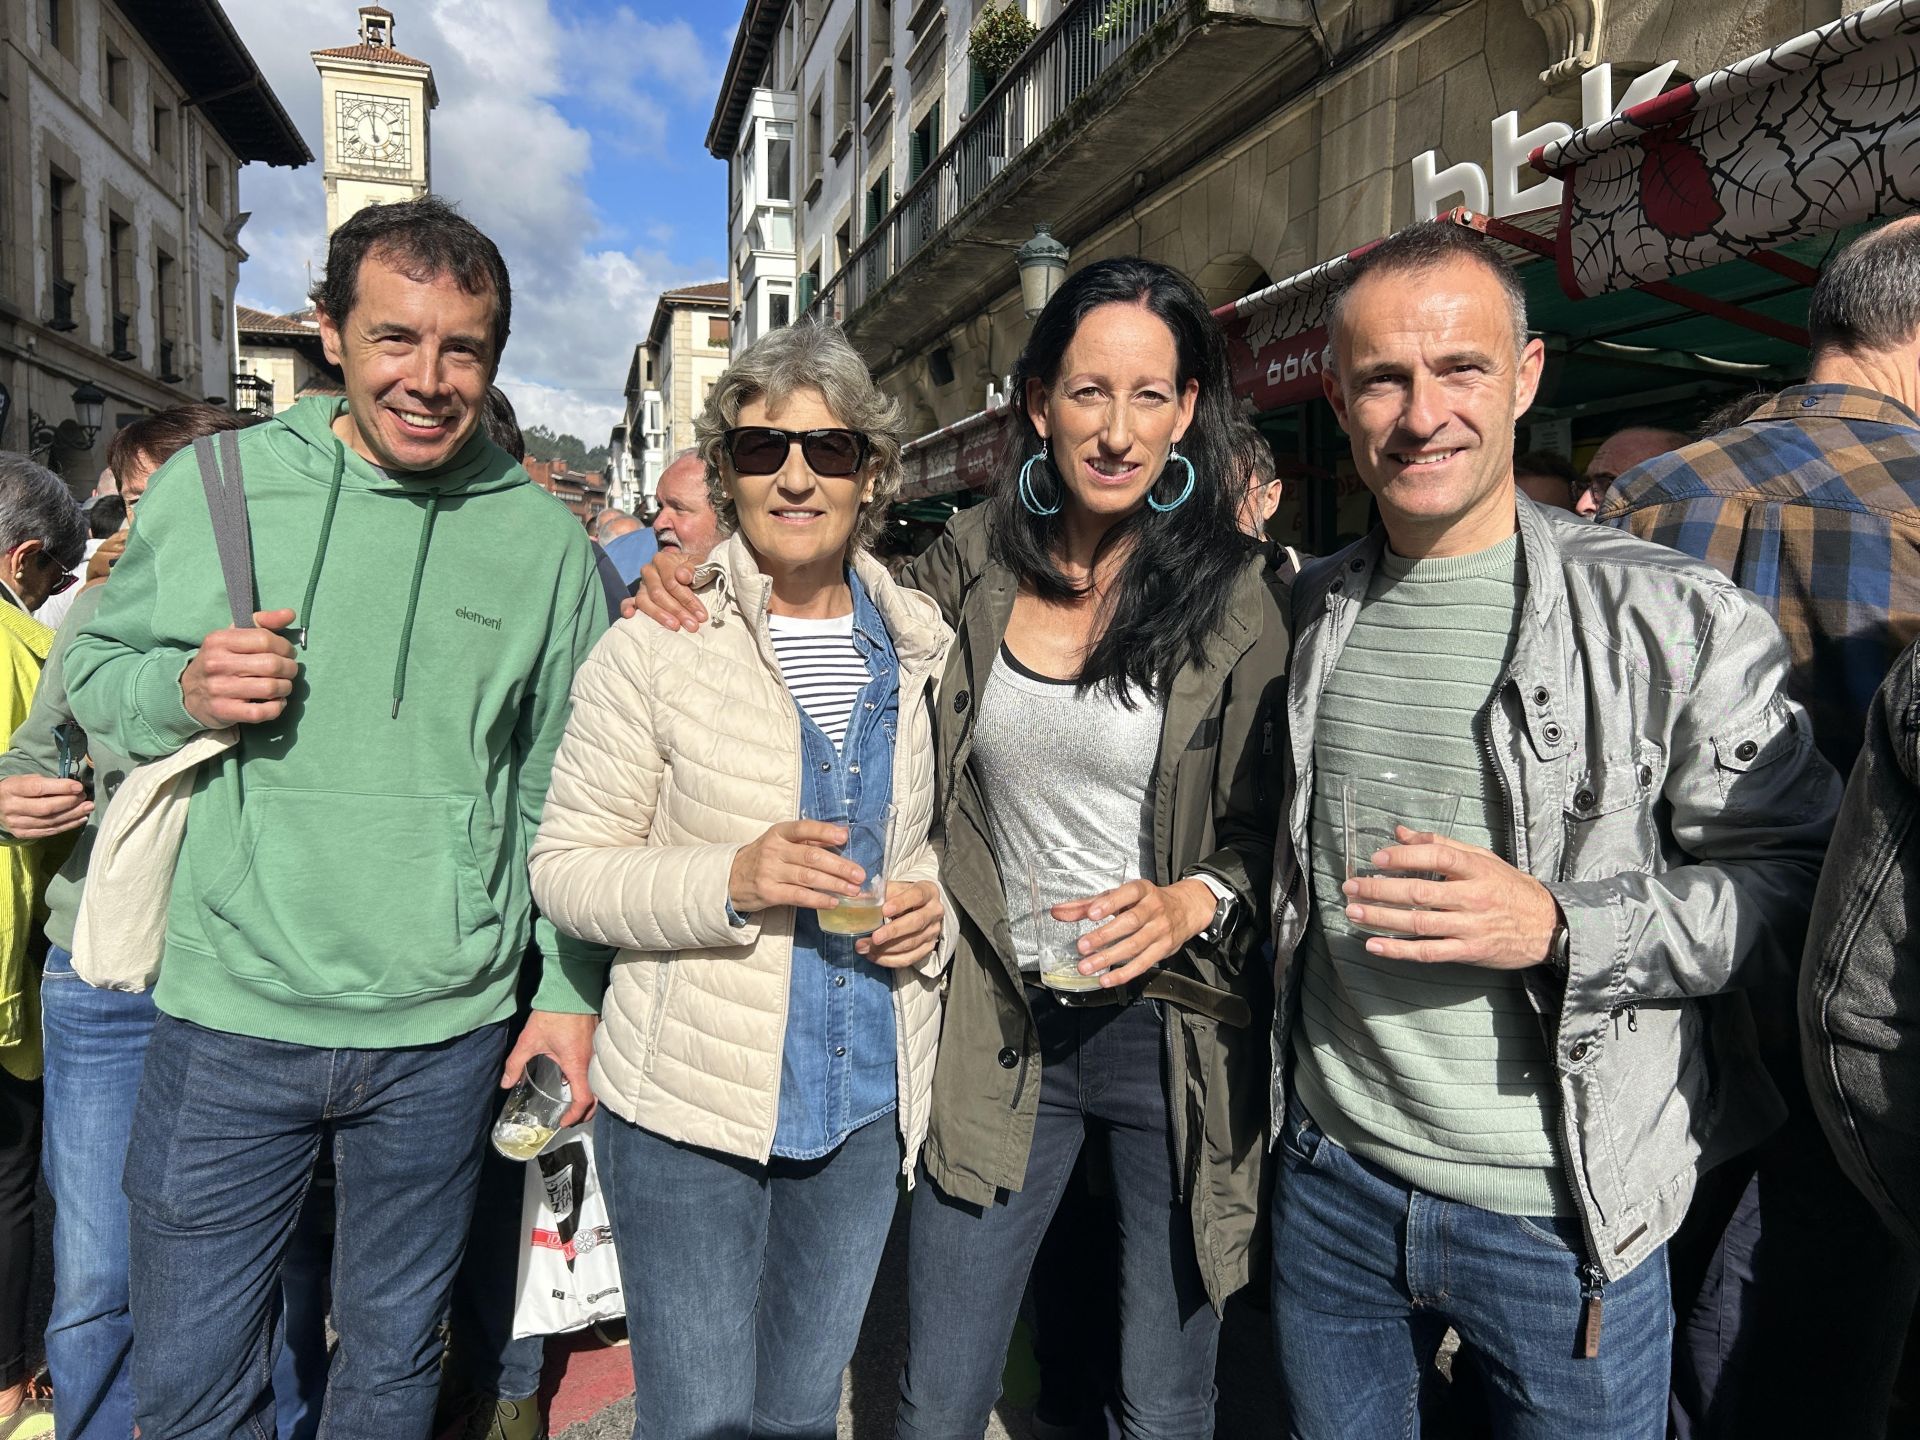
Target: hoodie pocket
x=330, y=893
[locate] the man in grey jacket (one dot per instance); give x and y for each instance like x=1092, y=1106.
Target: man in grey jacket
x=1511, y=1032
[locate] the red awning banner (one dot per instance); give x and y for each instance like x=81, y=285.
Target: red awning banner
x=1820, y=132
x=970, y=454
x=1277, y=337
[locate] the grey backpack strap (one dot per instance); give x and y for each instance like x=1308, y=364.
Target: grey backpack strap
x=227, y=503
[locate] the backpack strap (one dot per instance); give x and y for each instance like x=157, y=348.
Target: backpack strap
x=227, y=503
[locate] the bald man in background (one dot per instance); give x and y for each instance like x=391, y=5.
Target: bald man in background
x=1619, y=453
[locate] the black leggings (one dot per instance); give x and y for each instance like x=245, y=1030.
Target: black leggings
x=19, y=1178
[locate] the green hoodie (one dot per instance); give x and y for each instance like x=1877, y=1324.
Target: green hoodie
x=354, y=873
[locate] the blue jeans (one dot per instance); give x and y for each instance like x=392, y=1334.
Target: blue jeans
x=226, y=1133
x=96, y=1042
x=968, y=1267
x=745, y=1283
x=1368, y=1273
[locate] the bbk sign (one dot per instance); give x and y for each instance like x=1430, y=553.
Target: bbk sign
x=1500, y=189
x=1287, y=374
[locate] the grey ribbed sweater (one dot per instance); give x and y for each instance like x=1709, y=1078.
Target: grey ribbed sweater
x=1437, y=1073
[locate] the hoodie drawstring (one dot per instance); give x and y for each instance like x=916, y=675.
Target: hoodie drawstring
x=320, y=550
x=413, y=601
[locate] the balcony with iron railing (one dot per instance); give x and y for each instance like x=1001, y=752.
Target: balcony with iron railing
x=1055, y=140
x=122, y=338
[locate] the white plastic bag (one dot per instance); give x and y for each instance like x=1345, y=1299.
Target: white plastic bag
x=569, y=1278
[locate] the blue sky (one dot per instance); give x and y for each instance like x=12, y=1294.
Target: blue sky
x=570, y=130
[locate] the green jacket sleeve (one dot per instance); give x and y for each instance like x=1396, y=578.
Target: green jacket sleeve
x=33, y=750
x=123, y=667
x=574, y=974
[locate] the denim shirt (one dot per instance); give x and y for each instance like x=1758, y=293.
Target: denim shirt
x=837, y=1064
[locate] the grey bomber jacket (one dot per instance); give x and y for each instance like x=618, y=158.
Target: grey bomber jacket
x=1661, y=784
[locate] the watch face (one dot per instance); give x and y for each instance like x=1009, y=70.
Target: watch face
x=373, y=129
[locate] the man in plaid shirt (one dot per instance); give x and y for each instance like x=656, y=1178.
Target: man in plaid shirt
x=1813, y=504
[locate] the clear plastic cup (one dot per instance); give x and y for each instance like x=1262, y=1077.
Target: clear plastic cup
x=866, y=846
x=1371, y=807
x=531, y=1116
x=1059, y=877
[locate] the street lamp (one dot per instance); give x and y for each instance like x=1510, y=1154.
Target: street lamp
x=1043, y=265
x=246, y=391
x=89, y=408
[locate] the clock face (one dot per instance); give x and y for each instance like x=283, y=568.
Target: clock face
x=373, y=129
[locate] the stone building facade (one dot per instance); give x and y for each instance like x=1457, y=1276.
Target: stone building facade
x=685, y=351
x=123, y=126
x=1240, y=140
x=829, y=111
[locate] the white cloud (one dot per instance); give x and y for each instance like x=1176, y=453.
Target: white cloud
x=504, y=151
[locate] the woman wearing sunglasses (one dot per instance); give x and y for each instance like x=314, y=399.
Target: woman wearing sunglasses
x=765, y=1056
x=1115, y=686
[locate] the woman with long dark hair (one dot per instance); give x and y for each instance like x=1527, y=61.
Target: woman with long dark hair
x=1114, y=689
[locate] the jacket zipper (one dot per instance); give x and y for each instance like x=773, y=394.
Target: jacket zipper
x=903, y=1062
x=1593, y=1279
x=1266, y=753
x=759, y=623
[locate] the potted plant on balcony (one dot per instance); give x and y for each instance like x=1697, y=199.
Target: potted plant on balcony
x=1114, y=17
x=998, y=38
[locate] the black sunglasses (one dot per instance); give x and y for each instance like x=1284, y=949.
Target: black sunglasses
x=66, y=579
x=762, y=450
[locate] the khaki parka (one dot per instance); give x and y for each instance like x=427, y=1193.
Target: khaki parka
x=1216, y=806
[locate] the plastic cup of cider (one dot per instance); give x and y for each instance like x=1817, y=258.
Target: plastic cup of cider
x=866, y=846
x=1063, y=877
x=531, y=1117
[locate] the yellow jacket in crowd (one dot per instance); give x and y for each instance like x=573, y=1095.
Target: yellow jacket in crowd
x=24, y=644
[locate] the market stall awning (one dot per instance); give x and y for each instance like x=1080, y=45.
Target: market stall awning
x=1277, y=337
x=1689, y=229
x=1818, y=133
x=966, y=455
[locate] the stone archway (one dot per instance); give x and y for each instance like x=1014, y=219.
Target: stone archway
x=1228, y=277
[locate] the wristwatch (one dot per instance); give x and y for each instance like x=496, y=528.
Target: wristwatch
x=1225, y=903
x=1560, y=948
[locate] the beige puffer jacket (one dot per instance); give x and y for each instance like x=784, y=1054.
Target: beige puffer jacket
x=681, y=749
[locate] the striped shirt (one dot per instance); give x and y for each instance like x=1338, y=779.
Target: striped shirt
x=823, y=668
x=1437, y=1073
x=1813, y=505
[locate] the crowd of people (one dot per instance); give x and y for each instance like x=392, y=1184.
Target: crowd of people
x=1461, y=934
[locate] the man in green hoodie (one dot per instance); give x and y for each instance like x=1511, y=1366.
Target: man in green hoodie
x=351, y=904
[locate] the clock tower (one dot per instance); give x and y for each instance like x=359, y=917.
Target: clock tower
x=375, y=105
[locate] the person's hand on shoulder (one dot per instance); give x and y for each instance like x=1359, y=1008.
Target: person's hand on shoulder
x=666, y=594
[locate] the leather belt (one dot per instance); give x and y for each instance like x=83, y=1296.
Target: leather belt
x=1177, y=990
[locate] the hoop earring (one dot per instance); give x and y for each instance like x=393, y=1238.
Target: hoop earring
x=1181, y=498
x=1028, y=497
